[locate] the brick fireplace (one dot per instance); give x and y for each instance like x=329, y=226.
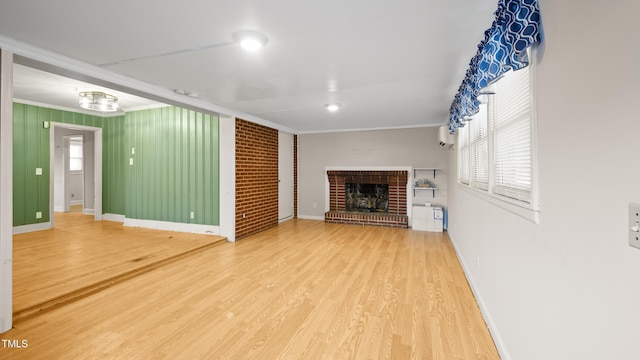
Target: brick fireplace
x=395, y=214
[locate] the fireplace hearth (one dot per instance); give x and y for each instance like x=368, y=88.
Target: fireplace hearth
x=368, y=197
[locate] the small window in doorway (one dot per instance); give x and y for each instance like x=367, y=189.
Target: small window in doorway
x=75, y=154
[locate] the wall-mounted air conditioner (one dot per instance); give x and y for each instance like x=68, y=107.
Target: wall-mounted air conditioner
x=445, y=139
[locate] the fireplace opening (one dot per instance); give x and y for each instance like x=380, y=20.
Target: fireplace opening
x=367, y=197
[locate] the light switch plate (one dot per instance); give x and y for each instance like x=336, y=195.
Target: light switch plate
x=38, y=171
x=633, y=227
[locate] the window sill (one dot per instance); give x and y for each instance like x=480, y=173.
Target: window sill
x=525, y=211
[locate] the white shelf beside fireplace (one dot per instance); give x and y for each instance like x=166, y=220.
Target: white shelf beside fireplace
x=417, y=171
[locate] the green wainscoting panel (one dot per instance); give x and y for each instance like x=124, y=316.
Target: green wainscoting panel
x=30, y=152
x=175, y=170
x=114, y=159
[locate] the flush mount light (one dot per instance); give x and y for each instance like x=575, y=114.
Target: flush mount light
x=98, y=101
x=249, y=39
x=333, y=107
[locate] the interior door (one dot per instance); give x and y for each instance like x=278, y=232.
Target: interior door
x=285, y=176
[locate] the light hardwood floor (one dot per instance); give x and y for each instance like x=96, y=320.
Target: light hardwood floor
x=302, y=290
x=80, y=256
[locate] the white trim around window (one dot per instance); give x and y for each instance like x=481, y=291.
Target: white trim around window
x=511, y=161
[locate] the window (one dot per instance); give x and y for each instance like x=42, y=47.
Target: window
x=463, y=155
x=511, y=127
x=479, y=140
x=496, y=147
x=75, y=154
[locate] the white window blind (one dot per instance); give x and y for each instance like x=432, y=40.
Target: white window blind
x=511, y=126
x=75, y=155
x=479, y=144
x=463, y=155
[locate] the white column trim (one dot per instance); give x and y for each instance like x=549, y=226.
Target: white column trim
x=227, y=177
x=6, y=190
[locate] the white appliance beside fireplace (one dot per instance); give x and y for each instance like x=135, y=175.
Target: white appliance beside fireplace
x=427, y=218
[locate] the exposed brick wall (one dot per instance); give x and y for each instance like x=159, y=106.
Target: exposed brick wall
x=295, y=176
x=398, y=194
x=397, y=180
x=337, y=192
x=256, y=178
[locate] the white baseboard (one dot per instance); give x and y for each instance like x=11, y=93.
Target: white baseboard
x=31, y=227
x=58, y=208
x=113, y=217
x=75, y=202
x=309, y=217
x=280, y=221
x=147, y=224
x=495, y=334
x=88, y=211
x=173, y=226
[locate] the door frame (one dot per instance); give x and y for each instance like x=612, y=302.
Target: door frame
x=285, y=177
x=97, y=163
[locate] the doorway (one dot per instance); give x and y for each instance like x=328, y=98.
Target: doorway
x=76, y=169
x=285, y=176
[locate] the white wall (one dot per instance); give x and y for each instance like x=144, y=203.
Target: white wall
x=568, y=288
x=228, y=177
x=75, y=187
x=403, y=147
x=6, y=190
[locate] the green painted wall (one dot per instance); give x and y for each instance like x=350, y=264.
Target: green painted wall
x=30, y=151
x=175, y=167
x=114, y=160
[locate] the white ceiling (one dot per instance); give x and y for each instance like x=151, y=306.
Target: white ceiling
x=390, y=64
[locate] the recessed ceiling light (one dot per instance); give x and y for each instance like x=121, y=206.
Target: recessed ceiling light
x=333, y=107
x=249, y=39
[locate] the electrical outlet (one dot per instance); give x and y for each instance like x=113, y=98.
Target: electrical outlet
x=39, y=215
x=130, y=161
x=38, y=171
x=133, y=151
x=634, y=225
x=193, y=215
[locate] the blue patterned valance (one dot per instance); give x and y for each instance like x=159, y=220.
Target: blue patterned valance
x=515, y=28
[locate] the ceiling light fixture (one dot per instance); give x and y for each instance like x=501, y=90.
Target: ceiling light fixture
x=333, y=107
x=98, y=101
x=250, y=40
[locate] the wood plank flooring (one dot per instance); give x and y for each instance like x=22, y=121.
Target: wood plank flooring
x=80, y=256
x=302, y=290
